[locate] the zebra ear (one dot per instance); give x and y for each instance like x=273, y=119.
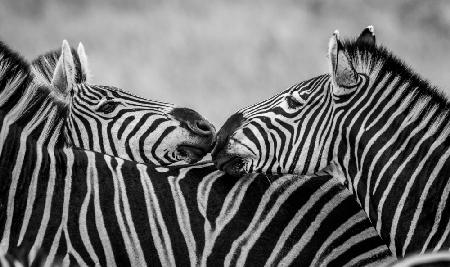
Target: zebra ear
x=341, y=68
x=64, y=75
x=367, y=36
x=84, y=66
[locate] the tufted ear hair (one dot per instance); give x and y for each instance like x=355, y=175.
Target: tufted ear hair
x=341, y=68
x=84, y=66
x=64, y=74
x=367, y=36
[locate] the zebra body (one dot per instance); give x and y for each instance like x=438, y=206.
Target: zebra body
x=89, y=208
x=101, y=210
x=380, y=126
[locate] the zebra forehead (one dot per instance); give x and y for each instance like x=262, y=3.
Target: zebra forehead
x=372, y=59
x=310, y=83
x=305, y=87
x=263, y=106
x=104, y=91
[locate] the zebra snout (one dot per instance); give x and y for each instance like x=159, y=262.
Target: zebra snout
x=203, y=127
x=228, y=128
x=194, y=122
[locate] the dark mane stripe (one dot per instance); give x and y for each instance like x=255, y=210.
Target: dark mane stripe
x=12, y=68
x=374, y=57
x=20, y=92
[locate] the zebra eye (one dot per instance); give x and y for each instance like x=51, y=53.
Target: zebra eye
x=107, y=107
x=292, y=102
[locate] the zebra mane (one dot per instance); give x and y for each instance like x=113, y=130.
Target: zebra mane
x=44, y=65
x=15, y=75
x=379, y=58
x=23, y=98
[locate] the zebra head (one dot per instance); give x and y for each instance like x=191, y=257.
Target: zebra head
x=109, y=120
x=291, y=132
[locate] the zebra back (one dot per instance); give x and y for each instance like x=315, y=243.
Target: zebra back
x=100, y=210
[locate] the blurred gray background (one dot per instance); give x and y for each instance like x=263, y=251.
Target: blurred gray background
x=218, y=56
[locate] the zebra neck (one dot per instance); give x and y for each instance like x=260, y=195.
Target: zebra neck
x=22, y=105
x=395, y=153
x=29, y=122
x=15, y=78
x=34, y=118
x=25, y=104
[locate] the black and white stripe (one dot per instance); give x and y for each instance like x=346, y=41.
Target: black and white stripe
x=89, y=208
x=111, y=121
x=109, y=211
x=378, y=124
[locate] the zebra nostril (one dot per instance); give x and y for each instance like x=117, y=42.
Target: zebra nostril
x=203, y=127
x=194, y=122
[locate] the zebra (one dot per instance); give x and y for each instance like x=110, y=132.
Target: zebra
x=375, y=123
x=111, y=121
x=91, y=208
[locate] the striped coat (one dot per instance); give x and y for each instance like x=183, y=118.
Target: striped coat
x=89, y=208
x=381, y=127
